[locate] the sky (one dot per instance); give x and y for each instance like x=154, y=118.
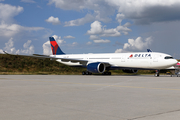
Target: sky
x=90, y=26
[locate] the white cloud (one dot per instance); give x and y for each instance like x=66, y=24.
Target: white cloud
x=69, y=37
x=9, y=47
x=102, y=15
x=148, y=11
x=7, y=27
x=53, y=20
x=26, y=45
x=101, y=41
x=94, y=37
x=88, y=43
x=113, y=32
x=101, y=10
x=28, y=1
x=28, y=48
x=120, y=17
x=1, y=51
x=136, y=45
x=31, y=28
x=10, y=30
x=88, y=18
x=47, y=48
x=97, y=31
x=140, y=11
x=74, y=44
x=7, y=12
x=123, y=29
x=96, y=28
x=58, y=39
x=70, y=4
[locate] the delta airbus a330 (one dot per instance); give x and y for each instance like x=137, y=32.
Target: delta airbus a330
x=102, y=63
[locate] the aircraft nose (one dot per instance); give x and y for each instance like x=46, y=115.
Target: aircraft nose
x=174, y=62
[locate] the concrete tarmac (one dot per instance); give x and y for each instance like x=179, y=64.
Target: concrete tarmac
x=95, y=97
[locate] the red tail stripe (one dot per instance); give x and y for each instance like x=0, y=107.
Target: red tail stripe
x=55, y=45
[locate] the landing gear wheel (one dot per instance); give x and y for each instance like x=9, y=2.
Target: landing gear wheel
x=106, y=73
x=86, y=73
x=157, y=73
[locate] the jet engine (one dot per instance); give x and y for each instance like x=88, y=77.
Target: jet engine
x=130, y=70
x=96, y=67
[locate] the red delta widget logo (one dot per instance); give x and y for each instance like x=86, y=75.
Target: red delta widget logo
x=140, y=55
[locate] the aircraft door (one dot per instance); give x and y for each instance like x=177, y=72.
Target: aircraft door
x=123, y=59
x=155, y=59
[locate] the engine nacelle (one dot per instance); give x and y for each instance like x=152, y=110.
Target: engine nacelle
x=96, y=67
x=130, y=70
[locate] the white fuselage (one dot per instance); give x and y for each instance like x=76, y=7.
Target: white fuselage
x=140, y=60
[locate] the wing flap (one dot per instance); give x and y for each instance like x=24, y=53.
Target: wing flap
x=83, y=62
x=80, y=61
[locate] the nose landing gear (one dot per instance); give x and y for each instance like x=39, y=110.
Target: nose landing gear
x=157, y=73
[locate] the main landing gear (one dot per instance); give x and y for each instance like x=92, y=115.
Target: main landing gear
x=86, y=73
x=157, y=73
x=106, y=73
x=89, y=73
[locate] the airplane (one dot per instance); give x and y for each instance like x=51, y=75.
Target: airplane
x=103, y=62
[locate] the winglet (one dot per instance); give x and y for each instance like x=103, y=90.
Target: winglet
x=55, y=48
x=149, y=50
x=5, y=52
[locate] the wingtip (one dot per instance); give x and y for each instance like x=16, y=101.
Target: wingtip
x=5, y=52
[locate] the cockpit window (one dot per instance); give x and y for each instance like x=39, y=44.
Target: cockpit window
x=168, y=57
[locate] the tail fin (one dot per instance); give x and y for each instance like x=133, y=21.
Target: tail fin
x=55, y=48
x=149, y=50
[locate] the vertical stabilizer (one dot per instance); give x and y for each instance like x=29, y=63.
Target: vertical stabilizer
x=55, y=48
x=149, y=50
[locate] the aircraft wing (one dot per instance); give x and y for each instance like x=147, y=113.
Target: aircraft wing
x=56, y=58
x=83, y=62
x=34, y=55
x=52, y=58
